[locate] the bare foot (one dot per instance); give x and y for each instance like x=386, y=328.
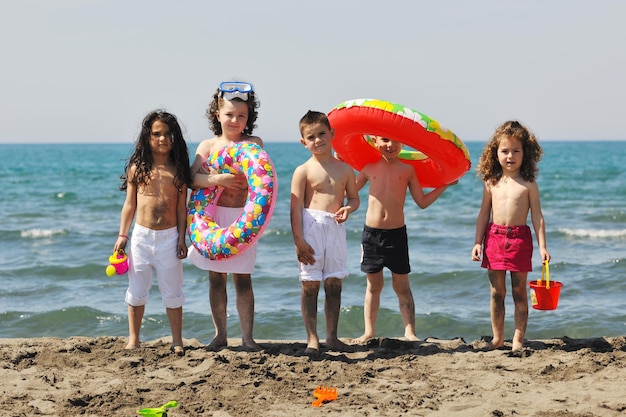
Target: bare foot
x=132, y=345
x=494, y=346
x=339, y=346
x=518, y=341
x=314, y=344
x=217, y=343
x=251, y=346
x=312, y=352
x=362, y=340
x=412, y=338
x=178, y=350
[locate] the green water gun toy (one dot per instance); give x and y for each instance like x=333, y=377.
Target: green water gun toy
x=157, y=412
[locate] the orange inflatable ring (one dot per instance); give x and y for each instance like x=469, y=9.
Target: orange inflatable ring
x=439, y=156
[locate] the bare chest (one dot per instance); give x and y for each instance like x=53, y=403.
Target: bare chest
x=157, y=201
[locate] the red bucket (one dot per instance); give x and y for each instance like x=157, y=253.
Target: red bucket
x=544, y=294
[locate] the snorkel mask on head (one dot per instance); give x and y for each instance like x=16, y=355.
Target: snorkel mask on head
x=235, y=89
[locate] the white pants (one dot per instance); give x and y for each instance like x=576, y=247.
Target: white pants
x=152, y=250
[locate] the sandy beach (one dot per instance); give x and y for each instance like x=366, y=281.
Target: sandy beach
x=81, y=376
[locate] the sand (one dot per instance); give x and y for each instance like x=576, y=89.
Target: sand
x=82, y=376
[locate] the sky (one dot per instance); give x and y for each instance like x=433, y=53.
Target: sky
x=88, y=71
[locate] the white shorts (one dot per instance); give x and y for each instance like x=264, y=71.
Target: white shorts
x=328, y=240
x=242, y=263
x=154, y=250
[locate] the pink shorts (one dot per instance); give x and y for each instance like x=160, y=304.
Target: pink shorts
x=508, y=248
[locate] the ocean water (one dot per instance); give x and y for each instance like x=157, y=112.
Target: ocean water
x=59, y=216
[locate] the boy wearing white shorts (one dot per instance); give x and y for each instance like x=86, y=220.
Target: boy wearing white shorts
x=323, y=194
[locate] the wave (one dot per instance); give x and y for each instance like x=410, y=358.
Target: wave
x=595, y=233
x=63, y=195
x=76, y=321
x=42, y=233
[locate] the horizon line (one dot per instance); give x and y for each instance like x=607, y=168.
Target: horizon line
x=283, y=141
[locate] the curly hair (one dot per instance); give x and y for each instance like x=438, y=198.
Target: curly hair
x=489, y=168
x=142, y=159
x=218, y=101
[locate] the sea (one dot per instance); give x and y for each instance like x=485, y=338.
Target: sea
x=59, y=219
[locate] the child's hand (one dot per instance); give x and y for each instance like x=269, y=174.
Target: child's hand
x=236, y=181
x=478, y=248
x=120, y=244
x=342, y=215
x=181, y=250
x=545, y=256
x=305, y=253
x=204, y=171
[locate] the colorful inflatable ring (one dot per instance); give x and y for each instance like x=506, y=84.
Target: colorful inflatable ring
x=439, y=158
x=220, y=242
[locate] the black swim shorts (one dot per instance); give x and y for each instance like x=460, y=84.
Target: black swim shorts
x=385, y=248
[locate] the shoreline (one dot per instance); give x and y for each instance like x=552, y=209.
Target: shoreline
x=96, y=376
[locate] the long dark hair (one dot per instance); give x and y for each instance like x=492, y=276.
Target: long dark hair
x=141, y=158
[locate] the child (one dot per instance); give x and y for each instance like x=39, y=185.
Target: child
x=156, y=178
x=318, y=190
x=231, y=115
x=508, y=166
x=384, y=241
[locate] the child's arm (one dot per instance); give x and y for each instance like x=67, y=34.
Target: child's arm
x=197, y=166
x=304, y=251
x=181, y=222
x=237, y=181
x=352, y=198
x=203, y=179
x=203, y=150
x=421, y=199
x=256, y=140
x=536, y=217
x=481, y=223
x=361, y=179
x=128, y=214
